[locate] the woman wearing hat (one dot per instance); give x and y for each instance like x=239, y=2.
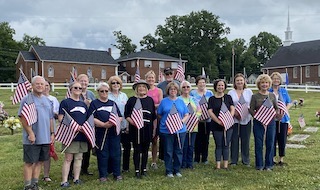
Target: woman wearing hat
x=140, y=128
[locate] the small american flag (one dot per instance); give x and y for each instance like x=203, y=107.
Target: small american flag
x=72, y=79
x=180, y=72
x=192, y=120
x=242, y=107
x=204, y=108
x=67, y=130
x=74, y=73
x=225, y=117
x=22, y=88
x=114, y=118
x=88, y=130
x=29, y=111
x=173, y=121
x=265, y=113
x=282, y=106
x=137, y=115
x=301, y=121
x=137, y=75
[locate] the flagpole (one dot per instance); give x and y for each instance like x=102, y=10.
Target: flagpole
x=179, y=140
x=104, y=138
x=138, y=135
x=232, y=63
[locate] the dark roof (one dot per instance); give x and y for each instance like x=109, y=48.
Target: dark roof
x=28, y=56
x=301, y=53
x=73, y=55
x=147, y=54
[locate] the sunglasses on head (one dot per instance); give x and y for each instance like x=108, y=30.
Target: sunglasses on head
x=115, y=83
x=168, y=73
x=77, y=88
x=186, y=87
x=103, y=91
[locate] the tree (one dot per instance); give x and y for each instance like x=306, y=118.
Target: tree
x=27, y=41
x=124, y=44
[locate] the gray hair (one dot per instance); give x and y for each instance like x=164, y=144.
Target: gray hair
x=35, y=78
x=102, y=84
x=185, y=82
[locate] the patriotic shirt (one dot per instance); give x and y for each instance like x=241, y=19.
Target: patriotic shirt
x=41, y=128
x=258, y=99
x=287, y=100
x=164, y=109
x=78, y=111
x=247, y=94
x=149, y=115
x=195, y=105
x=102, y=112
x=215, y=104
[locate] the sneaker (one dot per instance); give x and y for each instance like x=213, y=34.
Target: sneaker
x=178, y=174
x=118, y=178
x=36, y=186
x=125, y=171
x=103, y=179
x=170, y=175
x=65, y=185
x=154, y=166
x=78, y=182
x=28, y=187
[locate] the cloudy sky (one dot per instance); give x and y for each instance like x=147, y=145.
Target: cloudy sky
x=89, y=23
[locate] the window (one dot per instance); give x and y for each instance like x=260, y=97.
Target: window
x=50, y=71
x=147, y=64
x=161, y=64
x=307, y=71
x=295, y=72
x=318, y=70
x=103, y=74
x=133, y=64
x=89, y=72
x=174, y=65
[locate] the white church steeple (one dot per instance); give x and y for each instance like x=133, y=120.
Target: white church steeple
x=288, y=34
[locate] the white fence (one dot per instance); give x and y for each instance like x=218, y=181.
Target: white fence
x=303, y=88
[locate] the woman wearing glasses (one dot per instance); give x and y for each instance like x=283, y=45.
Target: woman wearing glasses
x=107, y=140
x=121, y=98
x=77, y=110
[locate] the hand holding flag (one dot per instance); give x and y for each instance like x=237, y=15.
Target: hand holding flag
x=192, y=120
x=265, y=113
x=225, y=117
x=29, y=111
x=242, y=108
x=204, y=108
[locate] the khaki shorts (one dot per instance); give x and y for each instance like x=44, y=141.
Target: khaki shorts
x=76, y=147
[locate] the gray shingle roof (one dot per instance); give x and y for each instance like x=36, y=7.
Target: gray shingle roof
x=73, y=55
x=296, y=54
x=147, y=54
x=28, y=56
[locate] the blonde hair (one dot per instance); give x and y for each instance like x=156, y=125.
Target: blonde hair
x=82, y=76
x=172, y=84
x=151, y=72
x=116, y=78
x=276, y=74
x=263, y=78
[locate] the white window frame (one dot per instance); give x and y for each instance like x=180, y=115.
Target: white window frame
x=103, y=74
x=147, y=63
x=174, y=65
x=307, y=71
x=295, y=72
x=318, y=70
x=50, y=71
x=161, y=64
x=133, y=64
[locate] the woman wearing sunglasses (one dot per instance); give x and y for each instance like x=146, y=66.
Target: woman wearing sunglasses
x=108, y=141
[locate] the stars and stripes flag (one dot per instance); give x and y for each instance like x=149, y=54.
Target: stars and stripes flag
x=180, y=72
x=265, y=113
x=204, y=108
x=74, y=73
x=88, y=130
x=67, y=130
x=137, y=115
x=72, y=79
x=301, y=121
x=192, y=120
x=161, y=77
x=137, y=75
x=29, y=111
x=173, y=121
x=115, y=119
x=242, y=107
x=22, y=88
x=225, y=117
x=282, y=106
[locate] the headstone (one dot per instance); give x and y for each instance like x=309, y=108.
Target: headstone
x=295, y=146
x=298, y=137
x=311, y=129
x=192, y=80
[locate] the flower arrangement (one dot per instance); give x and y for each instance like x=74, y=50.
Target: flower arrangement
x=318, y=115
x=3, y=114
x=12, y=123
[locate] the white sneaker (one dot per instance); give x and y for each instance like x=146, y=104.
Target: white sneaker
x=178, y=174
x=170, y=175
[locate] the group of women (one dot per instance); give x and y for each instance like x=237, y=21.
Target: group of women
x=184, y=123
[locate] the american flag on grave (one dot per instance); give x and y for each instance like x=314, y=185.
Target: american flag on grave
x=301, y=121
x=192, y=120
x=137, y=75
x=204, y=108
x=180, y=72
x=115, y=119
x=225, y=117
x=29, y=111
x=137, y=115
x=265, y=113
x=242, y=107
x=282, y=106
x=88, y=130
x=67, y=130
x=22, y=88
x=72, y=79
x=173, y=121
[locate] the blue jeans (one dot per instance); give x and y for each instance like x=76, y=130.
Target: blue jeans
x=188, y=149
x=222, y=144
x=259, y=135
x=172, y=152
x=110, y=154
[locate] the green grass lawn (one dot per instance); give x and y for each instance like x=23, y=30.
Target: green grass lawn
x=301, y=173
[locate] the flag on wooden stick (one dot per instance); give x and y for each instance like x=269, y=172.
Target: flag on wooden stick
x=22, y=88
x=180, y=72
x=88, y=130
x=137, y=75
x=137, y=115
x=282, y=106
x=29, y=111
x=192, y=120
x=265, y=113
x=301, y=121
x=115, y=119
x=225, y=117
x=242, y=107
x=173, y=121
x=67, y=130
x=204, y=108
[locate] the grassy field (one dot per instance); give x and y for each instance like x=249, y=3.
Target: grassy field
x=301, y=173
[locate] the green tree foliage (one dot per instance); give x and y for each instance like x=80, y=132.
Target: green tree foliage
x=124, y=44
x=28, y=41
